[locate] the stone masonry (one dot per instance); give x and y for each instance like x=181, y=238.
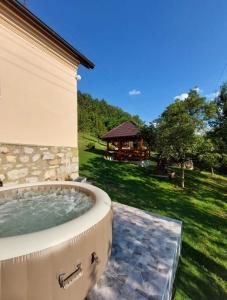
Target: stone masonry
x=145, y=253
x=29, y=163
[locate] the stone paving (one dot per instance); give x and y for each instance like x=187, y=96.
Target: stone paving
x=144, y=259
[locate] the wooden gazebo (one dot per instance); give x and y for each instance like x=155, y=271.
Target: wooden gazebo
x=125, y=143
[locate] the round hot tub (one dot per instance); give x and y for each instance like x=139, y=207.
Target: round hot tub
x=55, y=240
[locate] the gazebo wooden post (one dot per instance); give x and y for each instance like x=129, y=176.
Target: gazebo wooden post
x=107, y=149
x=141, y=143
x=119, y=149
x=141, y=148
x=120, y=144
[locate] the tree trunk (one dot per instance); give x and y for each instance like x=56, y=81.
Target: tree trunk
x=212, y=171
x=182, y=175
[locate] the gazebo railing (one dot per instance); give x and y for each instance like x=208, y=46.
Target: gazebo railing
x=128, y=154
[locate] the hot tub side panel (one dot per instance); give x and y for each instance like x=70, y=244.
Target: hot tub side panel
x=35, y=276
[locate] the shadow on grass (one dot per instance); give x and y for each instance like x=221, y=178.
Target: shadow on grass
x=197, y=206
x=96, y=151
x=193, y=281
x=200, y=258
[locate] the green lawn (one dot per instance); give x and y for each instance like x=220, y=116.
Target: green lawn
x=202, y=207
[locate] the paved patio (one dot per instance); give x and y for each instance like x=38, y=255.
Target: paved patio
x=144, y=259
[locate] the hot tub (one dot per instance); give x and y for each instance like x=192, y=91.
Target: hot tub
x=62, y=261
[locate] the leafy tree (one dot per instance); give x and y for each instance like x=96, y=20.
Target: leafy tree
x=178, y=127
x=223, y=167
x=148, y=133
x=218, y=134
x=220, y=123
x=207, y=154
x=96, y=116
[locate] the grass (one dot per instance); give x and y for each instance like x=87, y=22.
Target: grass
x=202, y=206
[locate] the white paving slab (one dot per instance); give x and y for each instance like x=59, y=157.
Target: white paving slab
x=145, y=253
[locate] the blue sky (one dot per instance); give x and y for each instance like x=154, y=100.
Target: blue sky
x=146, y=52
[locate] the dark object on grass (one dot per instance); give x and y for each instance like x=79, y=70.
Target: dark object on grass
x=172, y=175
x=162, y=165
x=1, y=183
x=91, y=146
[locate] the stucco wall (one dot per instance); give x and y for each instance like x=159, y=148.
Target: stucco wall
x=37, y=92
x=38, y=106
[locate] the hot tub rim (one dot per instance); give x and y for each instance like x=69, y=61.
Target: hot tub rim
x=19, y=245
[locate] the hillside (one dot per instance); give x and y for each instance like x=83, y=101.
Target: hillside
x=96, y=116
x=201, y=206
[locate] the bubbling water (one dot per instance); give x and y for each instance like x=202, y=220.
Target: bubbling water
x=32, y=211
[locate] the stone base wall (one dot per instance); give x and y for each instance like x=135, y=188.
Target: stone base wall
x=29, y=163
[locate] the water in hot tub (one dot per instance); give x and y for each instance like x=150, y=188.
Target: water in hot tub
x=32, y=211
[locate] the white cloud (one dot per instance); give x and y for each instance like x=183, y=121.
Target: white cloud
x=181, y=97
x=198, y=90
x=212, y=95
x=134, y=92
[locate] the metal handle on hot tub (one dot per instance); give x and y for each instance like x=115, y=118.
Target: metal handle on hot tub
x=94, y=258
x=66, y=280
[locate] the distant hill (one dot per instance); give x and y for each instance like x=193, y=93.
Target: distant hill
x=96, y=116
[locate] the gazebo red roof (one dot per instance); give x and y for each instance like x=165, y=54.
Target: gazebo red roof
x=126, y=129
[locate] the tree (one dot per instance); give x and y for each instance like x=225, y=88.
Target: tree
x=178, y=127
x=207, y=154
x=218, y=134
x=220, y=123
x=148, y=133
x=97, y=116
